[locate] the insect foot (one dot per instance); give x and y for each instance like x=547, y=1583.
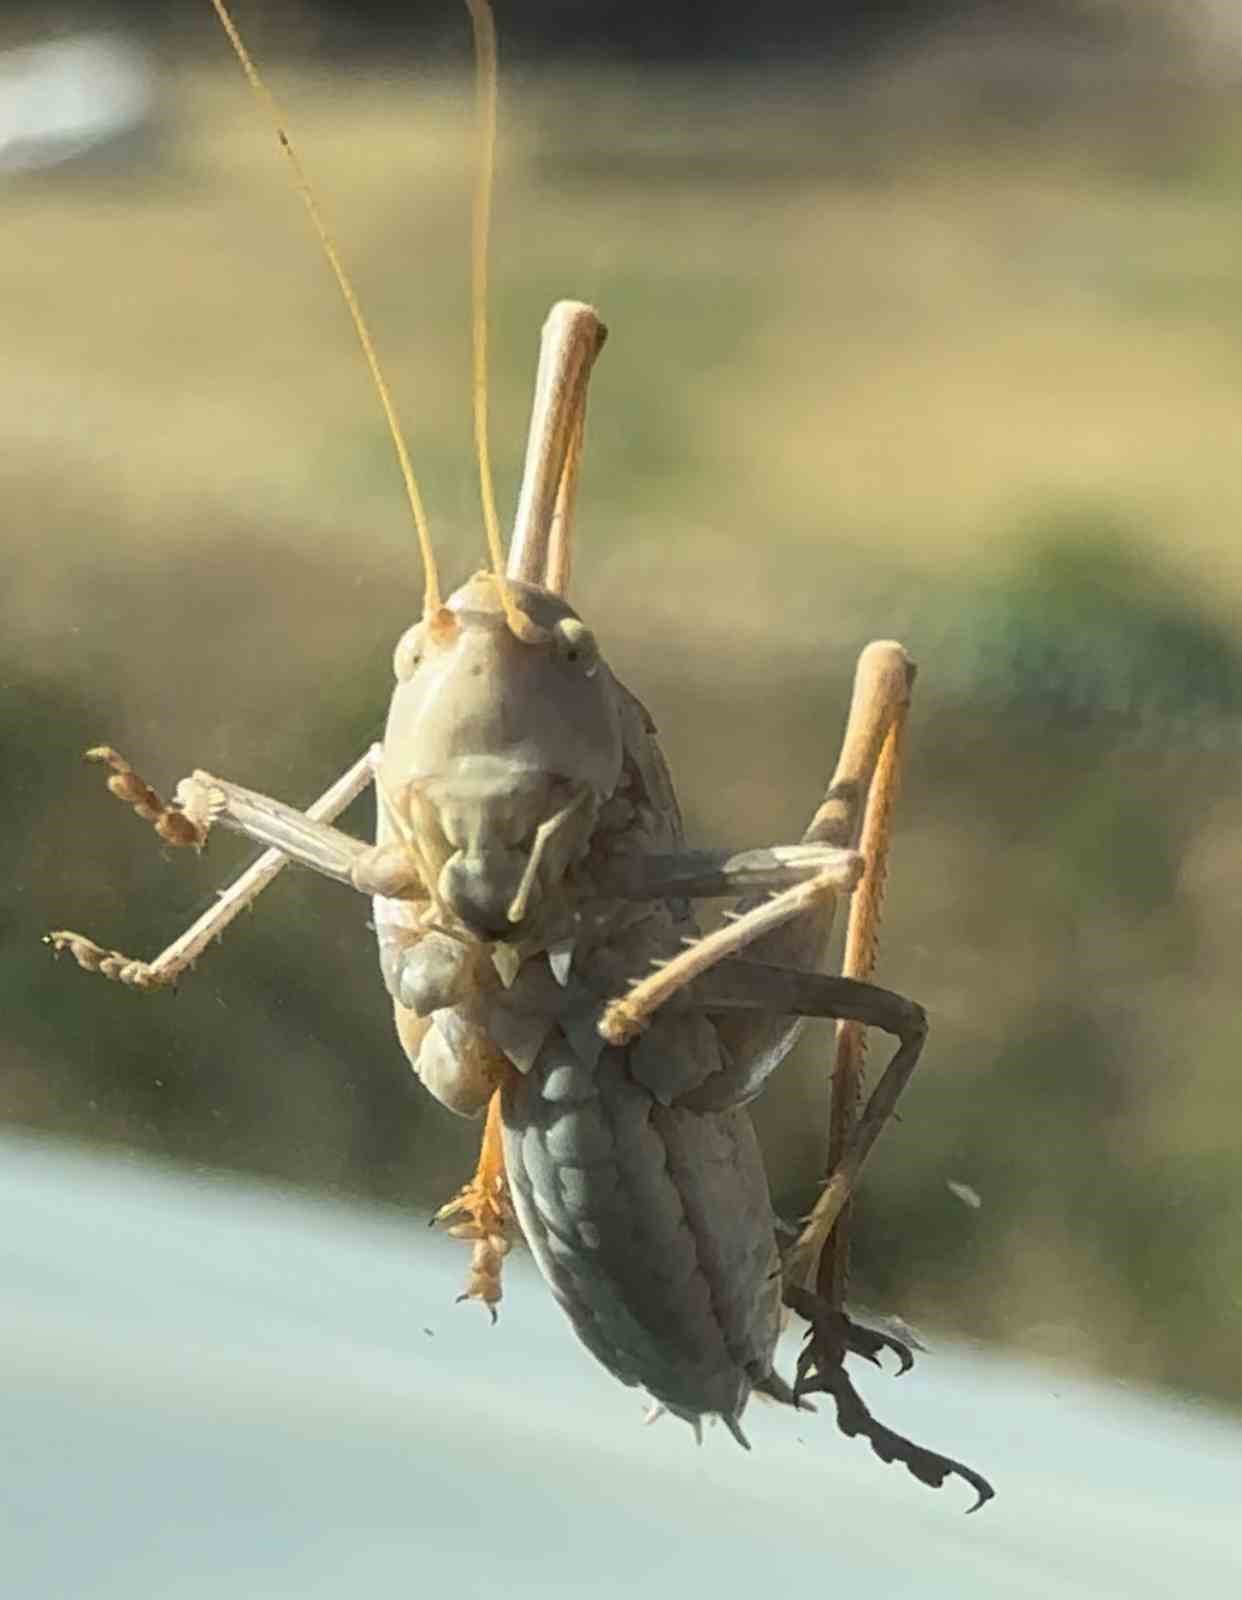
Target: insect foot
x=832, y=1336
x=176, y=824
x=92, y=957
x=831, y=1328
x=484, y=1214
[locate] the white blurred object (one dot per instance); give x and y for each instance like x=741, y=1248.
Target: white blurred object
x=67, y=96
x=963, y=1192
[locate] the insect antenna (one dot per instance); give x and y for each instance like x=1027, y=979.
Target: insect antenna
x=432, y=602
x=483, y=24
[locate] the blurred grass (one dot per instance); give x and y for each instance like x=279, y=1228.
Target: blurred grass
x=969, y=384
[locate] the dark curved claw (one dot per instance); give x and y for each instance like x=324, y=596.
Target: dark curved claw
x=868, y=1342
x=835, y=1330
x=466, y=1295
x=928, y=1466
x=821, y=1370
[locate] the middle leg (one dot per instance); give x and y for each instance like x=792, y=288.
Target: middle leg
x=792, y=928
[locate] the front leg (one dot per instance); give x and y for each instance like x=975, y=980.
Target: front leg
x=371, y=869
x=187, y=822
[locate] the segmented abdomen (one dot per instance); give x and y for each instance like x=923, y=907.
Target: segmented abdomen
x=652, y=1225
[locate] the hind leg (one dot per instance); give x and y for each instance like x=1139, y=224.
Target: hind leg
x=832, y=1335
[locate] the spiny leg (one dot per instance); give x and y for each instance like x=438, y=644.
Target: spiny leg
x=881, y=692
x=832, y=1334
x=738, y=985
x=801, y=928
x=486, y=1214
x=188, y=826
x=743, y=985
x=868, y=769
x=627, y=1016
x=793, y=927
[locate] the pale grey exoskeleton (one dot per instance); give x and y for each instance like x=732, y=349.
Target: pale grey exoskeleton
x=529, y=868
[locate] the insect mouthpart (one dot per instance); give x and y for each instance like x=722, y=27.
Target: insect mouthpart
x=507, y=847
x=479, y=888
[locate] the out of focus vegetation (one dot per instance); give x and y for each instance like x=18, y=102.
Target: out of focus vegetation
x=908, y=358
x=649, y=31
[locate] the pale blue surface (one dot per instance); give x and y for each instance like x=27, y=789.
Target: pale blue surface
x=212, y=1390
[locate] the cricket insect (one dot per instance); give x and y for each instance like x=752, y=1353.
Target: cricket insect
x=529, y=862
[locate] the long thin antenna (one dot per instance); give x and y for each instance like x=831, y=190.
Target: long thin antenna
x=431, y=596
x=483, y=23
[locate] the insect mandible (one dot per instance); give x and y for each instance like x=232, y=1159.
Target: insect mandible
x=529, y=862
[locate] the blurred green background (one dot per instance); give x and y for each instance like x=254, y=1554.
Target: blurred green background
x=946, y=347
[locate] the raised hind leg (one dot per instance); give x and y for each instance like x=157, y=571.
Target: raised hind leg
x=791, y=930
x=739, y=984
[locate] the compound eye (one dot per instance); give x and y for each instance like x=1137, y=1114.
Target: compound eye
x=409, y=652
x=575, y=643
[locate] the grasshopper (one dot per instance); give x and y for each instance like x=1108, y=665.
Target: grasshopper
x=529, y=862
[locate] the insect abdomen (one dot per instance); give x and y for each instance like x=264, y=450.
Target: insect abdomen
x=652, y=1226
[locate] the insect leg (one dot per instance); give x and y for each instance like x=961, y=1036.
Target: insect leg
x=484, y=1214
x=539, y=551
x=183, y=952
x=426, y=972
x=822, y=1250
x=858, y=961
x=758, y=986
x=298, y=836
x=701, y=874
x=745, y=985
x=792, y=928
x=881, y=696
